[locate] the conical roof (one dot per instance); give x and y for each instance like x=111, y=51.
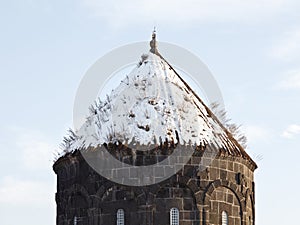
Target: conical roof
x=153, y=104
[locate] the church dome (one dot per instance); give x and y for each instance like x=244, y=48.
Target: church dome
x=153, y=105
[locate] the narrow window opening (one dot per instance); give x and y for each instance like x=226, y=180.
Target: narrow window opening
x=75, y=220
x=174, y=216
x=224, y=218
x=120, y=217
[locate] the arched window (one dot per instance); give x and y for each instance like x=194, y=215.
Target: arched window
x=224, y=218
x=120, y=217
x=174, y=216
x=75, y=220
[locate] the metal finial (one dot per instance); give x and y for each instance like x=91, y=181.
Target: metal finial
x=153, y=43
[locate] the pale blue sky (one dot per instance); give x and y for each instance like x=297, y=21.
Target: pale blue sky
x=251, y=47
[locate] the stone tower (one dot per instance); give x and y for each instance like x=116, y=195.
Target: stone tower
x=218, y=192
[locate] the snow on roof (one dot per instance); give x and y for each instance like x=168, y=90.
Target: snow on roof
x=152, y=105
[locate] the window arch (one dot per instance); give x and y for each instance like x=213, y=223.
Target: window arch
x=174, y=216
x=120, y=217
x=224, y=218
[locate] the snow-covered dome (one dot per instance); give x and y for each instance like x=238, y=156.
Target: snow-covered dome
x=153, y=105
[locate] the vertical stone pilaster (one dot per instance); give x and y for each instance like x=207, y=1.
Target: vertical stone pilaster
x=94, y=216
x=146, y=214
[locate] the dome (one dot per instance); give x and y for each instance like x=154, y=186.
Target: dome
x=154, y=105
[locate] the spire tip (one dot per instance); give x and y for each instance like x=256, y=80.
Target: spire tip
x=153, y=43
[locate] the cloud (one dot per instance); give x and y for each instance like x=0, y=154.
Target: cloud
x=255, y=133
x=25, y=193
x=27, y=182
x=32, y=148
x=288, y=48
x=37, y=151
x=291, y=131
x=120, y=13
x=291, y=80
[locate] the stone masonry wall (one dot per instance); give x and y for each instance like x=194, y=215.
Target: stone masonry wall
x=200, y=195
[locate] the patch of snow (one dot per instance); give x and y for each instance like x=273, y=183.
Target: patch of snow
x=151, y=105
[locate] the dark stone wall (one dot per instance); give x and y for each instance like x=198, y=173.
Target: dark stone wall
x=201, y=196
